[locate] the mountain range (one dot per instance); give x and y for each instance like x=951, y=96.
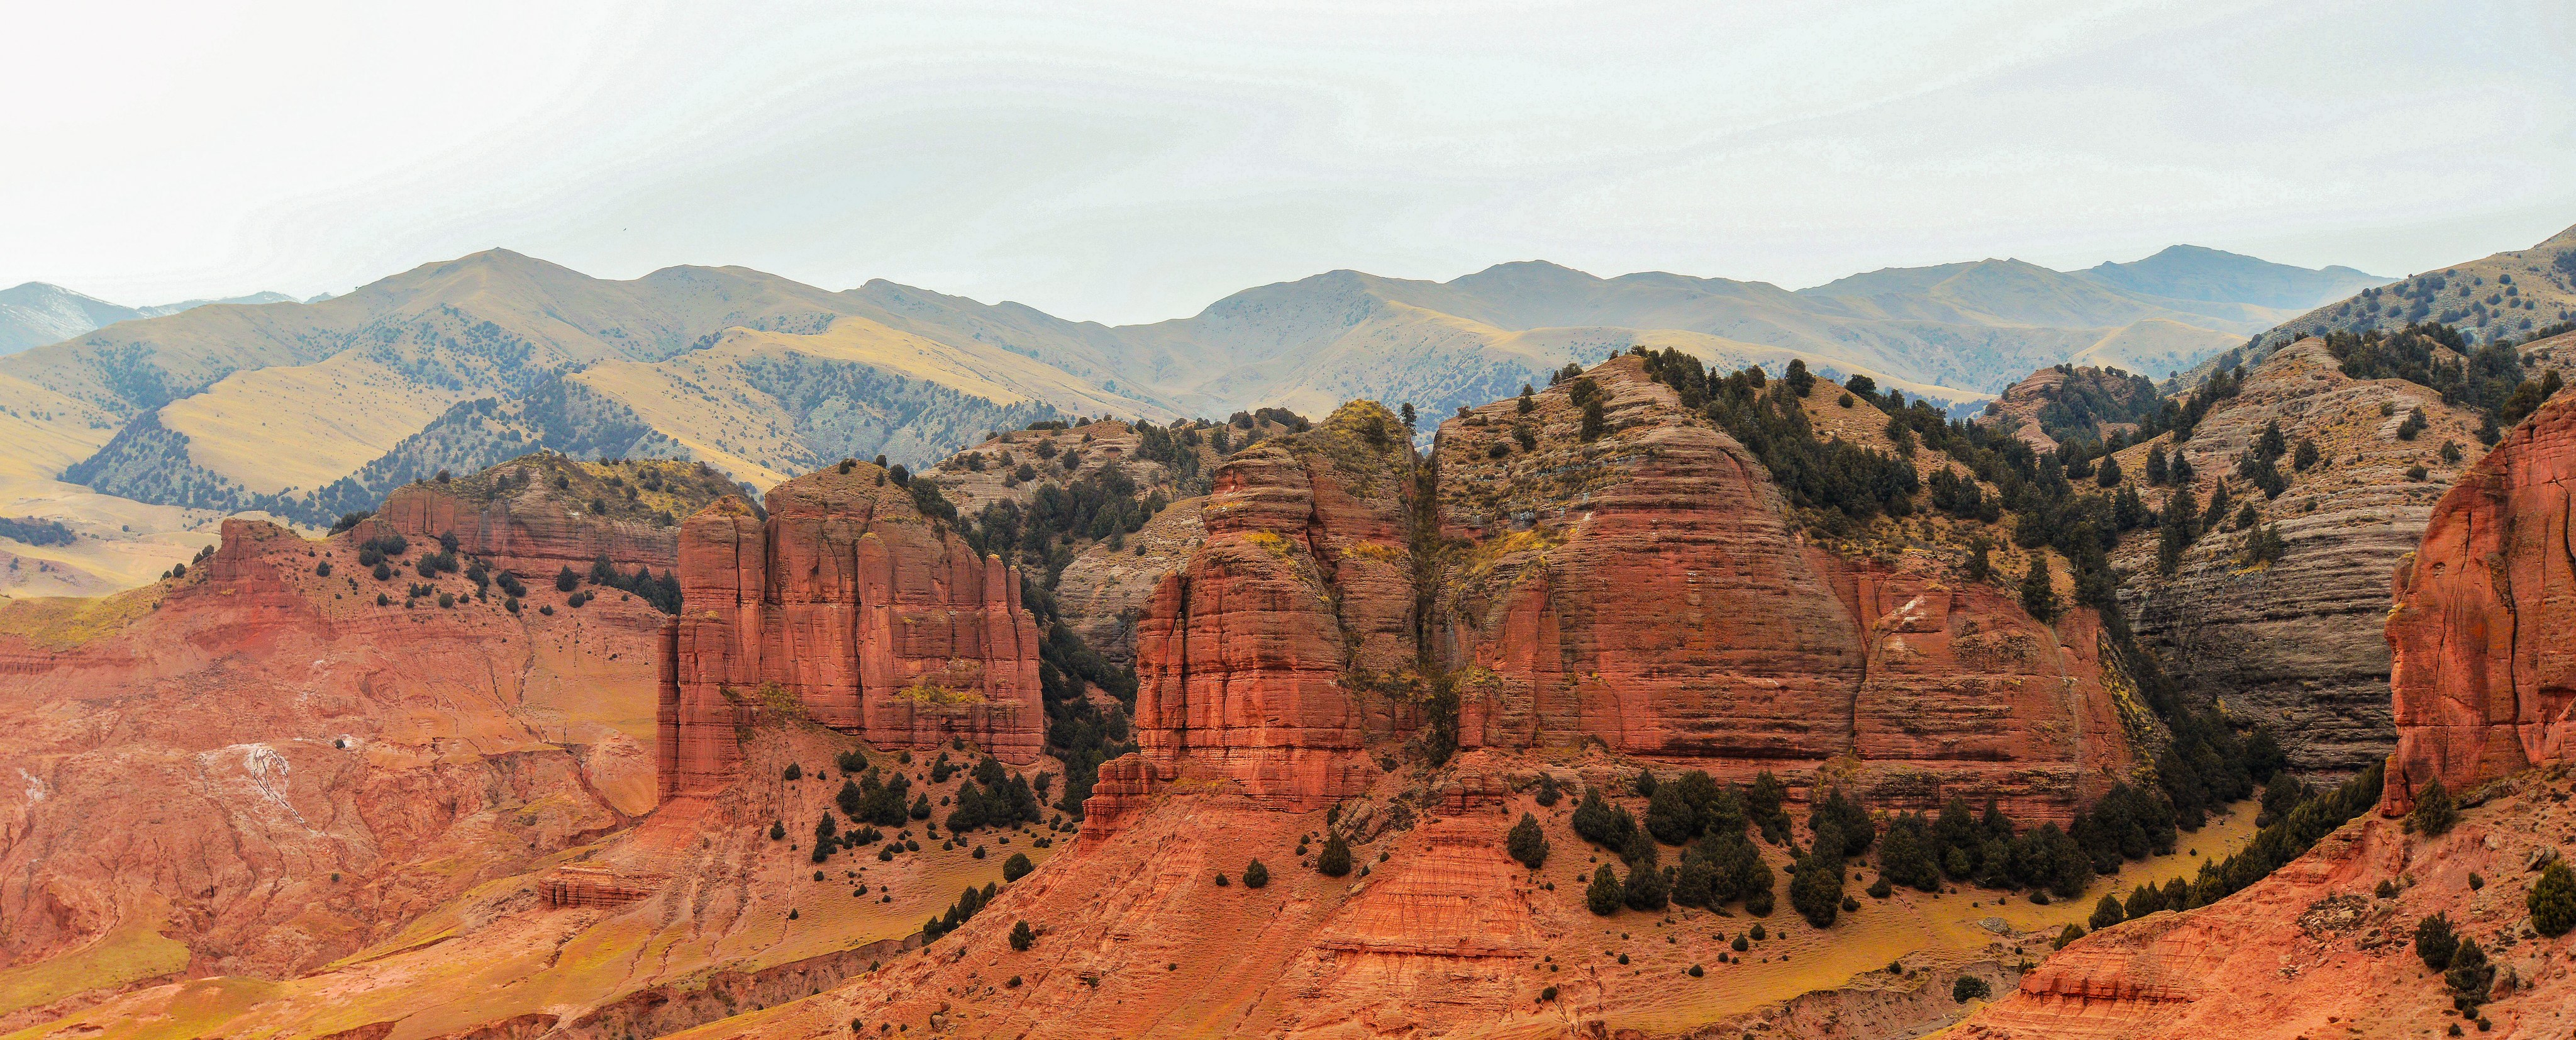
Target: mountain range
x=307, y=410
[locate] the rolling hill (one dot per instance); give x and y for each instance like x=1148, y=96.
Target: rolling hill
x=307, y=410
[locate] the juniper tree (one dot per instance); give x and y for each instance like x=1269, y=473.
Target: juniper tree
x=1605, y=894
x=1335, y=860
x=1527, y=843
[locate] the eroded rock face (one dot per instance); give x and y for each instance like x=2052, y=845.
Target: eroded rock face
x=1265, y=657
x=1664, y=608
x=1645, y=590
x=848, y=607
x=2485, y=663
x=515, y=516
x=1965, y=693
x=261, y=763
x=1105, y=590
x=2295, y=644
x=1648, y=591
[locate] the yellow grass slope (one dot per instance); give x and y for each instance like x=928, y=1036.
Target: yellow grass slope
x=121, y=543
x=303, y=426
x=703, y=400
x=1401, y=346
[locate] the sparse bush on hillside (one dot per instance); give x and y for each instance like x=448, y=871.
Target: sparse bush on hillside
x=2434, y=811
x=2552, y=901
x=1527, y=843
x=1335, y=860
x=1604, y=895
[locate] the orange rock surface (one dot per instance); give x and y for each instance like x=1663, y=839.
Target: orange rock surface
x=848, y=606
x=2485, y=668
x=1647, y=591
x=264, y=766
x=1253, y=660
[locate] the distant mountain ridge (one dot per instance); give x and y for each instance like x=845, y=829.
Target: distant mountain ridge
x=308, y=409
x=38, y=313
x=2201, y=273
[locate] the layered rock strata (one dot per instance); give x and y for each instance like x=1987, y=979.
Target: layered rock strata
x=1269, y=658
x=1649, y=591
x=1646, y=591
x=845, y=606
x=258, y=768
x=515, y=515
x=2484, y=631
x=2295, y=644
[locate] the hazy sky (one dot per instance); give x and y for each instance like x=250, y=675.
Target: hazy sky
x=1129, y=162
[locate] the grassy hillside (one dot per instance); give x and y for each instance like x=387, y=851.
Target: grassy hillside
x=2520, y=295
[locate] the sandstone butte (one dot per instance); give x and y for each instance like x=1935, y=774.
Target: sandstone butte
x=1646, y=593
x=848, y=607
x=2479, y=638
x=2485, y=668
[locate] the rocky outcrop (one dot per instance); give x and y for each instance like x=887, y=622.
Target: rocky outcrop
x=1646, y=591
x=1105, y=590
x=2485, y=665
x=845, y=606
x=261, y=763
x=1965, y=694
x=516, y=516
x=1269, y=658
x=1662, y=605
x=2092, y=399
x=2295, y=644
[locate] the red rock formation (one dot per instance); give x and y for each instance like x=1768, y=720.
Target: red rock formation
x=263, y=764
x=515, y=516
x=1647, y=590
x=1966, y=694
x=848, y=607
x=1263, y=659
x=1670, y=613
x=2485, y=670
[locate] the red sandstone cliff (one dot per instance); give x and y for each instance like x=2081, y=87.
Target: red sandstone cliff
x=1649, y=591
x=1265, y=658
x=848, y=607
x=2485, y=668
x=1646, y=590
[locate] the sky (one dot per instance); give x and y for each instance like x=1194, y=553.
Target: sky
x=1127, y=162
